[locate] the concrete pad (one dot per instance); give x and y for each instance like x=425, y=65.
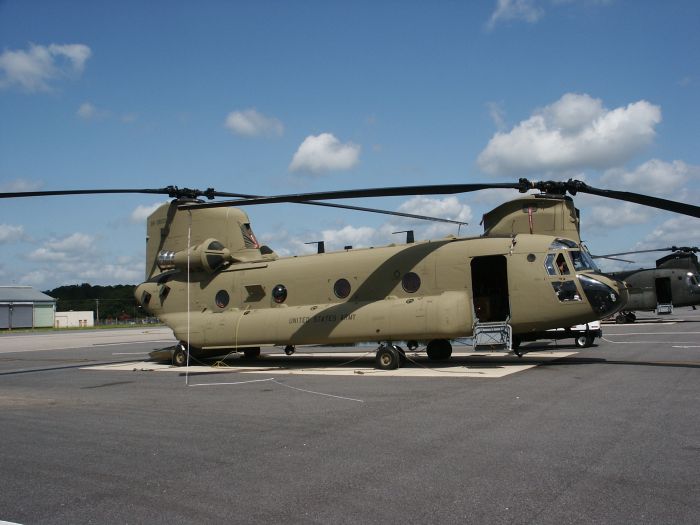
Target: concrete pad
x=461, y=365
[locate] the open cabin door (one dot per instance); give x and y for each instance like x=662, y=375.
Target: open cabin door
x=664, y=296
x=490, y=288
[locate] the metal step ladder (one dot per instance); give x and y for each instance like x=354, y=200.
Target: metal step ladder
x=664, y=309
x=496, y=335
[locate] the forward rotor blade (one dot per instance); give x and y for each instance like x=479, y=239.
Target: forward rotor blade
x=573, y=187
x=75, y=192
x=398, y=191
x=187, y=206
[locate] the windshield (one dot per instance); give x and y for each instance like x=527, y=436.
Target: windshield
x=582, y=261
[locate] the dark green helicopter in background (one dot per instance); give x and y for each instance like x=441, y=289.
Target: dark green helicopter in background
x=675, y=282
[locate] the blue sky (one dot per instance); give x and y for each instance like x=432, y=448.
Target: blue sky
x=279, y=97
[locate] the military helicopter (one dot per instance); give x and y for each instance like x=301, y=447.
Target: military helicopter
x=219, y=290
x=675, y=282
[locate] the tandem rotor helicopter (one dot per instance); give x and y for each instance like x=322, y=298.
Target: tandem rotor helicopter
x=219, y=290
x=675, y=282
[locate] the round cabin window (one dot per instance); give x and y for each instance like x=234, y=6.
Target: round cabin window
x=341, y=288
x=221, y=299
x=410, y=282
x=279, y=293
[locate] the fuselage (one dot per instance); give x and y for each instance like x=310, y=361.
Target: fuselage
x=419, y=291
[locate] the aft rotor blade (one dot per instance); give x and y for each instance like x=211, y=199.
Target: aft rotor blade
x=171, y=191
x=397, y=191
x=669, y=249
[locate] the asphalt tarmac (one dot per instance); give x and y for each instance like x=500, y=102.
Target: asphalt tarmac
x=92, y=433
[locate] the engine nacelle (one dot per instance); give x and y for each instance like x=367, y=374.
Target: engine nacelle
x=208, y=256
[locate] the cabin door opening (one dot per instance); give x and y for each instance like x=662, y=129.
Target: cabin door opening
x=490, y=288
x=663, y=290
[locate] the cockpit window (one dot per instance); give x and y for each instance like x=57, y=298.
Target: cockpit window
x=549, y=264
x=562, y=244
x=562, y=264
x=693, y=279
x=582, y=261
x=566, y=291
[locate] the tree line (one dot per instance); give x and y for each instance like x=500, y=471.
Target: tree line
x=112, y=302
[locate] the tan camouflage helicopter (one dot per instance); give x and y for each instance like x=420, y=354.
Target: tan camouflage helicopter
x=219, y=290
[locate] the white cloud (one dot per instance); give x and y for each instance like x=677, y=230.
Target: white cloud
x=654, y=176
x=678, y=231
x=349, y=236
x=575, y=132
x=125, y=273
x=530, y=11
x=324, y=152
x=447, y=208
x=497, y=114
x=507, y=10
x=88, y=111
x=35, y=68
x=613, y=216
x=251, y=123
x=35, y=278
x=72, y=248
x=141, y=213
x=19, y=185
x=10, y=233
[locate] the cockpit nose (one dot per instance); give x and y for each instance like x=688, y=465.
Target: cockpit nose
x=605, y=295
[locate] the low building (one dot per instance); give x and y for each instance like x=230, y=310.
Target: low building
x=74, y=319
x=25, y=307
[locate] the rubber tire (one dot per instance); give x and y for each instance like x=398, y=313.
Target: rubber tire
x=251, y=353
x=289, y=349
x=584, y=341
x=387, y=358
x=179, y=356
x=439, y=350
x=631, y=317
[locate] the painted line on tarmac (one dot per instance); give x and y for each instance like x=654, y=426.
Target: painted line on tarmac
x=135, y=342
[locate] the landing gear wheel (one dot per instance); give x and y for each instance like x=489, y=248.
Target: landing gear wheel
x=439, y=350
x=631, y=317
x=289, y=349
x=411, y=345
x=584, y=341
x=388, y=358
x=251, y=353
x=179, y=355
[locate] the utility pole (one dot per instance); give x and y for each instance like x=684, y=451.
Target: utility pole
x=97, y=307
